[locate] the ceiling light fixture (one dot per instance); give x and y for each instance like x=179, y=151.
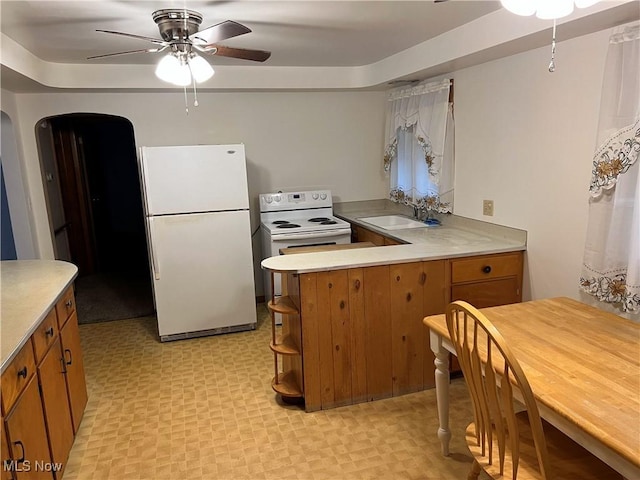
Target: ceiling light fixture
x=182, y=67
x=546, y=10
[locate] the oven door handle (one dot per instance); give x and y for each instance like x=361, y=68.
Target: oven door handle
x=303, y=236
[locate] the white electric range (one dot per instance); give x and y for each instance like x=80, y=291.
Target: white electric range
x=298, y=219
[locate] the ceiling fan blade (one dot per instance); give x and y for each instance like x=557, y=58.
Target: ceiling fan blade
x=144, y=50
x=243, y=53
x=217, y=33
x=157, y=41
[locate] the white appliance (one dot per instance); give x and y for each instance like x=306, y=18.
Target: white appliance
x=196, y=205
x=298, y=219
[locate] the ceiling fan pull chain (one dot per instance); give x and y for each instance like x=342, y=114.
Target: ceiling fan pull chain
x=195, y=91
x=186, y=103
x=552, y=63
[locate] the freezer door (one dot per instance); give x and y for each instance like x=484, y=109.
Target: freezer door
x=202, y=270
x=189, y=179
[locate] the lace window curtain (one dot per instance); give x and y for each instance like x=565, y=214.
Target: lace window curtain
x=419, y=146
x=611, y=268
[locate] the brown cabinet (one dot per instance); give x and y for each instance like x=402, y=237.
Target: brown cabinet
x=362, y=331
x=44, y=396
x=356, y=335
x=487, y=281
x=74, y=366
x=27, y=435
x=362, y=234
x=53, y=389
x=5, y=466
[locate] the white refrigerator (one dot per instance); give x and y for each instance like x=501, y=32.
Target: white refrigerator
x=196, y=206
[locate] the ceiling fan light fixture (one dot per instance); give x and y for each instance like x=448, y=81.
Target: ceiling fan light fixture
x=200, y=68
x=172, y=70
x=585, y=3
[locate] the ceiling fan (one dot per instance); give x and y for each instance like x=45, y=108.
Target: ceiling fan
x=180, y=32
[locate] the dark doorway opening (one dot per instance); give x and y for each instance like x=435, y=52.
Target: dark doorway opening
x=96, y=213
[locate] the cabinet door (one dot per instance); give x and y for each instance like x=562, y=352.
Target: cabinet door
x=407, y=330
x=28, y=436
x=366, y=235
x=76, y=384
x=488, y=294
x=51, y=373
x=6, y=458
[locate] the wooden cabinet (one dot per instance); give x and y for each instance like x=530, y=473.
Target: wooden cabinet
x=27, y=435
x=362, y=331
x=487, y=281
x=5, y=458
x=53, y=389
x=361, y=234
x=44, y=395
x=74, y=366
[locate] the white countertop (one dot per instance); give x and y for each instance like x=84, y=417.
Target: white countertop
x=456, y=237
x=30, y=289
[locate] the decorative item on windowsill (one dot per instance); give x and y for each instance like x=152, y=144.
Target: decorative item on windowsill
x=546, y=10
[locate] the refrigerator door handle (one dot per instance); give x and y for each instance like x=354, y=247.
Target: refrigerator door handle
x=152, y=253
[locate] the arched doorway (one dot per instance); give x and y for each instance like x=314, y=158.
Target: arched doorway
x=95, y=211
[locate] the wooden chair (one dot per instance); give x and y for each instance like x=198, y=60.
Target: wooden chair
x=506, y=441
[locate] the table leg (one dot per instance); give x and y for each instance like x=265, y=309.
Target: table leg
x=442, y=391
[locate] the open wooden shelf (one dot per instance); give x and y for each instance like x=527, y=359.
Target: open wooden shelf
x=285, y=345
x=286, y=385
x=283, y=305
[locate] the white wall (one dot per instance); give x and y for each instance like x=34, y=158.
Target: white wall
x=293, y=140
x=15, y=182
x=525, y=139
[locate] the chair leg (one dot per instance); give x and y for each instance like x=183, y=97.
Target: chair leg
x=474, y=473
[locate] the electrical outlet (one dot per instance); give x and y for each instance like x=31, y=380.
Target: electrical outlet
x=487, y=207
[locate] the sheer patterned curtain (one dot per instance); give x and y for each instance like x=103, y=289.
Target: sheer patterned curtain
x=419, y=146
x=611, y=268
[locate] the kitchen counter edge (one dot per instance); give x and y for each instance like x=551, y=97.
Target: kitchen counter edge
x=30, y=289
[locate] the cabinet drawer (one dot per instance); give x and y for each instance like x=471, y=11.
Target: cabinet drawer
x=65, y=306
x=488, y=294
x=45, y=335
x=485, y=268
x=17, y=375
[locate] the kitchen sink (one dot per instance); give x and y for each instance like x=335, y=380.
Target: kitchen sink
x=393, y=222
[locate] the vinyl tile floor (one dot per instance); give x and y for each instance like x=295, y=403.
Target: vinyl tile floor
x=204, y=409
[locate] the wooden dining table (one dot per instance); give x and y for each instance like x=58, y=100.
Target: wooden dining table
x=583, y=365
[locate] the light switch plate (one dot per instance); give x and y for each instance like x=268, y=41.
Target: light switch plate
x=487, y=207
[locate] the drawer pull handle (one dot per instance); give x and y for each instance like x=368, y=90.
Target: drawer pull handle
x=487, y=269
x=49, y=332
x=23, y=372
x=69, y=303
x=21, y=459
x=70, y=361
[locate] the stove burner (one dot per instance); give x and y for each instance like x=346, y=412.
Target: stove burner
x=320, y=219
x=328, y=222
x=280, y=222
x=288, y=225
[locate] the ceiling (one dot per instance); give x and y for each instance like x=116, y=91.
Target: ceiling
x=348, y=37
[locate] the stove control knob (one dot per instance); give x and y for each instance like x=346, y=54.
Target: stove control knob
x=315, y=196
x=323, y=196
x=268, y=199
x=277, y=198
